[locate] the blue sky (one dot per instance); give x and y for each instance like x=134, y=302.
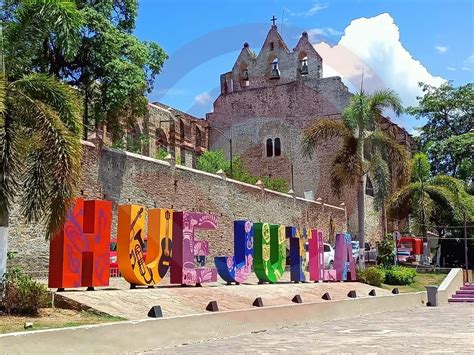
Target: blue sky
x=399, y=42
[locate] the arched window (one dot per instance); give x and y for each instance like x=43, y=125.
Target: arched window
x=161, y=141
x=198, y=138
x=269, y=147
x=181, y=130
x=369, y=189
x=277, y=147
x=244, y=75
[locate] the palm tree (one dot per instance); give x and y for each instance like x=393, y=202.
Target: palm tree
x=40, y=148
x=437, y=200
x=365, y=149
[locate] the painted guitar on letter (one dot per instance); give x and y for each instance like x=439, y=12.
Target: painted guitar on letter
x=166, y=247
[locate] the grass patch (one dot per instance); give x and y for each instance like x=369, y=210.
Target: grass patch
x=421, y=280
x=53, y=318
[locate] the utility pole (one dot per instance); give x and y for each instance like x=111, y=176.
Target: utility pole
x=465, y=248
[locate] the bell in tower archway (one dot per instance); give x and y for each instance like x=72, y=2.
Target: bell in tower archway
x=304, y=66
x=275, y=74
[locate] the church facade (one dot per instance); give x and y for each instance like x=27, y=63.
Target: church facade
x=266, y=102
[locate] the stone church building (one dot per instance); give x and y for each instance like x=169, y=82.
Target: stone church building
x=266, y=102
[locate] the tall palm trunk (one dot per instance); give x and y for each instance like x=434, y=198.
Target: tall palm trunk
x=361, y=200
x=384, y=219
x=3, y=242
x=361, y=219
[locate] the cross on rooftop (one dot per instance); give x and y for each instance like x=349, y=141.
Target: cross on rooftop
x=273, y=19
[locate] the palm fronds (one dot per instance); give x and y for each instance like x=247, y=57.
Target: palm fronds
x=321, y=130
x=379, y=173
x=41, y=149
x=398, y=155
x=385, y=99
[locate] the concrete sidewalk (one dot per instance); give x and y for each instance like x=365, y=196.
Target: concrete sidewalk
x=444, y=329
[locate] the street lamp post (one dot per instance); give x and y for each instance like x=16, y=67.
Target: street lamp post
x=229, y=139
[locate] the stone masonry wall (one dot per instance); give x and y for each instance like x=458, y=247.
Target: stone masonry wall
x=129, y=178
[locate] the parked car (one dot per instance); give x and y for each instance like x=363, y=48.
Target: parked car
x=328, y=255
x=370, y=253
x=113, y=254
x=404, y=255
x=355, y=251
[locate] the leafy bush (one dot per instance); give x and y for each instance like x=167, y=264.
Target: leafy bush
x=22, y=294
x=386, y=251
x=399, y=275
x=361, y=275
x=215, y=160
x=161, y=154
x=373, y=276
x=133, y=145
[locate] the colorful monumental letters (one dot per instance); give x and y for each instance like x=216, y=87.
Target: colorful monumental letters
x=343, y=260
x=186, y=247
x=269, y=251
x=237, y=268
x=80, y=256
x=298, y=238
x=131, y=244
x=79, y=252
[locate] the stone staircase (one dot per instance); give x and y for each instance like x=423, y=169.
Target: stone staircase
x=465, y=294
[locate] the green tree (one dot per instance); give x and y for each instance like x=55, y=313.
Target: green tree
x=40, y=148
x=214, y=160
x=386, y=251
x=90, y=45
x=448, y=136
x=365, y=150
x=434, y=201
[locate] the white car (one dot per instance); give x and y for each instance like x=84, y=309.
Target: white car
x=328, y=255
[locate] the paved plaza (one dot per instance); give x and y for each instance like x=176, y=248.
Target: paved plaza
x=444, y=329
x=119, y=300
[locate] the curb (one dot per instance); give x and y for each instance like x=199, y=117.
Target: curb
x=147, y=334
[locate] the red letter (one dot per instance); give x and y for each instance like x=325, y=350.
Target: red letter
x=80, y=251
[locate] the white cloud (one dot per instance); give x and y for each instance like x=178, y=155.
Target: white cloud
x=451, y=68
x=373, y=45
x=203, y=99
x=316, y=34
x=466, y=68
x=469, y=62
x=441, y=49
x=313, y=10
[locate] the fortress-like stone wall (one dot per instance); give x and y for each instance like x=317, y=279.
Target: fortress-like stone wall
x=129, y=178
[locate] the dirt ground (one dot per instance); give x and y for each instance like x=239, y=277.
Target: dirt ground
x=52, y=318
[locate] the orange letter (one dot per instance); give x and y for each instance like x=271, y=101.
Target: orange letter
x=132, y=242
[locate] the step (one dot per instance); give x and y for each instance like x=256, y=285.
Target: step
x=468, y=287
x=465, y=292
x=463, y=296
x=470, y=300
